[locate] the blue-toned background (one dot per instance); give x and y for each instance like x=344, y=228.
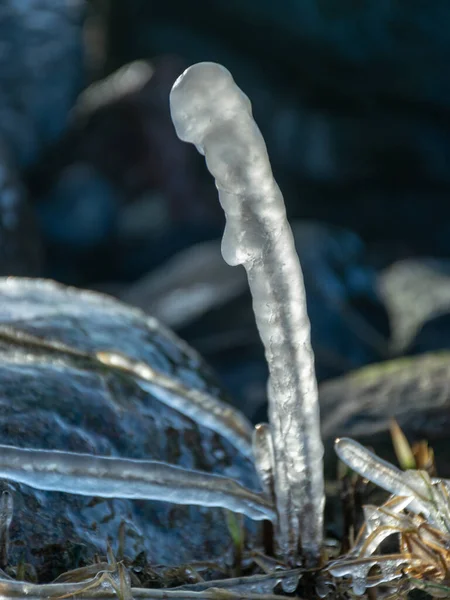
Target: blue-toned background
x=353, y=98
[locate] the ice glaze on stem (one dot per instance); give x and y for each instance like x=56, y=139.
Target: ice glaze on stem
x=210, y=111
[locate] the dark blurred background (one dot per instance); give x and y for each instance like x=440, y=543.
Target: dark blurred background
x=353, y=98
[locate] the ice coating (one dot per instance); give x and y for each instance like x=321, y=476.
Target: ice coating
x=370, y=466
x=210, y=111
x=264, y=457
x=110, y=477
x=428, y=496
x=359, y=570
x=105, y=587
x=380, y=524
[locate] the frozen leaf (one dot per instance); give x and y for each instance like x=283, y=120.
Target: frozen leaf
x=110, y=477
x=380, y=523
x=413, y=390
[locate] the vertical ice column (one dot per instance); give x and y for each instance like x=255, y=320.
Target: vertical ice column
x=210, y=111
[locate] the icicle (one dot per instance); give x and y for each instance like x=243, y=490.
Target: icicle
x=111, y=477
x=210, y=111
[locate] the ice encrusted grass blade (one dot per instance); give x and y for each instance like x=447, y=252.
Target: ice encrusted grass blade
x=210, y=111
x=111, y=477
x=428, y=497
x=370, y=466
x=29, y=591
x=359, y=569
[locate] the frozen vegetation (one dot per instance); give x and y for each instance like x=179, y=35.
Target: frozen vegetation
x=210, y=111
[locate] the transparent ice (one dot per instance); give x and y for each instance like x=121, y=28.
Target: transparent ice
x=111, y=477
x=211, y=112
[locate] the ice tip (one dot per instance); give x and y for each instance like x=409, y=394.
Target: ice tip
x=338, y=443
x=261, y=427
x=342, y=444
x=193, y=99
x=198, y=85
x=203, y=96
x=204, y=70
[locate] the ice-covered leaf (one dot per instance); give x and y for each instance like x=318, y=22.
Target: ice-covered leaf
x=110, y=477
x=187, y=286
x=379, y=524
x=428, y=497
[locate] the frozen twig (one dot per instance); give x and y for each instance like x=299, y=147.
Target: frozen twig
x=210, y=111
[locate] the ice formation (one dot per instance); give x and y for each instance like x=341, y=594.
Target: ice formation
x=210, y=111
x=390, y=567
x=428, y=497
x=111, y=477
x=264, y=458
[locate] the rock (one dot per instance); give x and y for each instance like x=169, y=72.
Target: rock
x=55, y=394
x=348, y=321
x=414, y=391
